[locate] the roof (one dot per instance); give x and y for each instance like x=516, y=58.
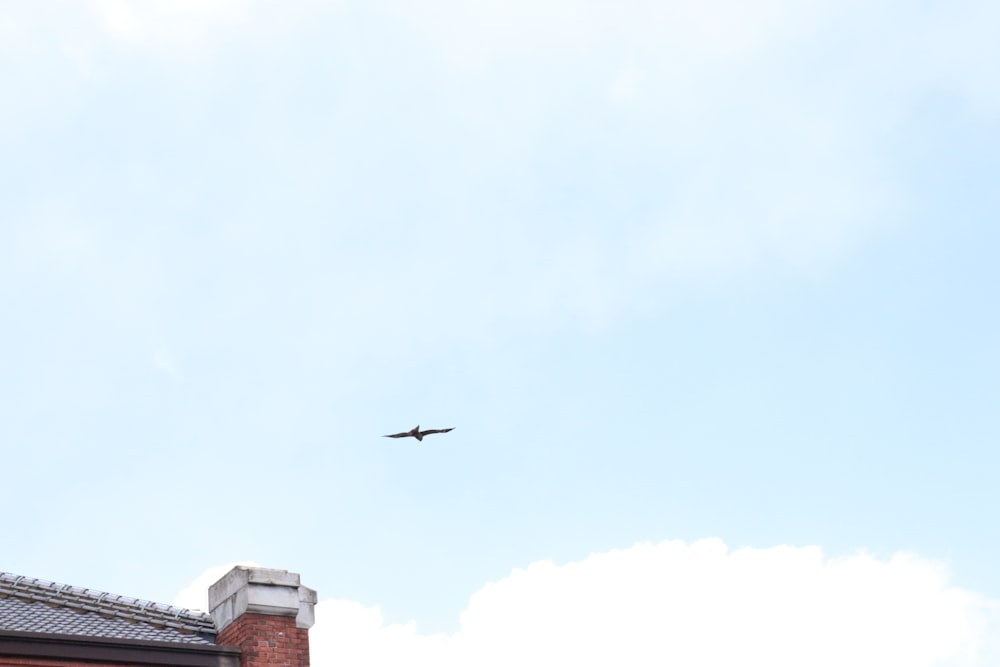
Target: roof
x=36, y=605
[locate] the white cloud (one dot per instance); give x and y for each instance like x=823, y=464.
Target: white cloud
x=627, y=84
x=195, y=596
x=698, y=605
x=677, y=33
x=163, y=362
x=173, y=23
x=164, y=27
x=348, y=633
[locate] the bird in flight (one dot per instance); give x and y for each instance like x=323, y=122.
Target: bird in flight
x=415, y=432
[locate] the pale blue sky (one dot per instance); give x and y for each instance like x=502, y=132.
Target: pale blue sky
x=672, y=271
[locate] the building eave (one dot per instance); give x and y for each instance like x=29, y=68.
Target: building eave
x=124, y=651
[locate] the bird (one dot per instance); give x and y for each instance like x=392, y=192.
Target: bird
x=415, y=432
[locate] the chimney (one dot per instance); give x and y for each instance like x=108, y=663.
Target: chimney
x=266, y=613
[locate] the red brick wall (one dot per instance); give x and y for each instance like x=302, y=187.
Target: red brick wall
x=267, y=641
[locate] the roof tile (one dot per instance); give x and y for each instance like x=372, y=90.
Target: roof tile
x=36, y=605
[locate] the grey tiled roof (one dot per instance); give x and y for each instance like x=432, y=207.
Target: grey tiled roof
x=35, y=605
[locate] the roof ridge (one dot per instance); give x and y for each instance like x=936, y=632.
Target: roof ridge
x=109, y=604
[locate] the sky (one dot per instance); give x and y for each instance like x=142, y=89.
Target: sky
x=706, y=289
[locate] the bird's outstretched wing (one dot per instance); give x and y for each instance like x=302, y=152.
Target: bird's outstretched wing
x=437, y=430
x=398, y=435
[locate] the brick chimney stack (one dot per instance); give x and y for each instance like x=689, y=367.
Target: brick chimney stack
x=266, y=613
